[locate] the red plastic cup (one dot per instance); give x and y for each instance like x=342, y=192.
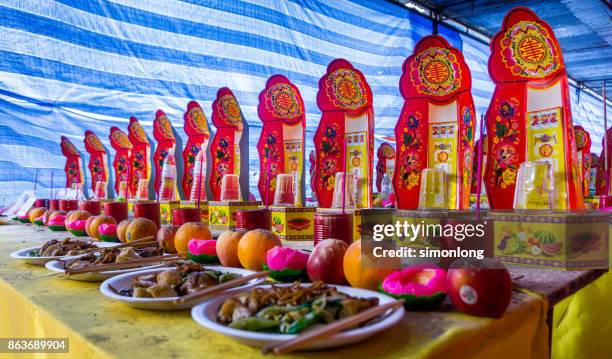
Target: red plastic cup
x=148, y=210
x=250, y=219
x=335, y=225
x=41, y=203
x=117, y=210
x=54, y=204
x=184, y=215
x=68, y=204
x=91, y=206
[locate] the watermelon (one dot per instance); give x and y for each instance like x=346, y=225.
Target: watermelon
x=421, y=286
x=202, y=251
x=286, y=264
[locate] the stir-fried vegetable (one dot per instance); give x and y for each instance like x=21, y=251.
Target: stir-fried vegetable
x=289, y=309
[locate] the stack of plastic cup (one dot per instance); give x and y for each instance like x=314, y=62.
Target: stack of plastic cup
x=349, y=200
x=534, y=186
x=433, y=193
x=230, y=188
x=284, y=194
x=142, y=191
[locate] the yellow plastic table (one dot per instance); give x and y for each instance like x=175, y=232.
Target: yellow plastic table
x=36, y=303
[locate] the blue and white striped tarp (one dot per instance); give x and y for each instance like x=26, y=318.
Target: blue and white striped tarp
x=71, y=65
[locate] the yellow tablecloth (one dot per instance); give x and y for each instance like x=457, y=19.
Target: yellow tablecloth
x=36, y=303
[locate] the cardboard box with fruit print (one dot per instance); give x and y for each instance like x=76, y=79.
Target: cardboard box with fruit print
x=222, y=214
x=194, y=204
x=558, y=240
x=293, y=223
x=165, y=210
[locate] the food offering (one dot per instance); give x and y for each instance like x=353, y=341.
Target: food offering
x=385, y=163
x=558, y=240
x=344, y=140
x=326, y=262
x=281, y=143
x=108, y=232
x=202, y=251
x=253, y=247
x=35, y=215
x=229, y=147
x=73, y=169
x=436, y=125
x=112, y=255
x=529, y=118
x=123, y=152
x=198, y=135
x=98, y=163
x=56, y=221
x=53, y=249
x=421, y=286
x=286, y=264
x=139, y=166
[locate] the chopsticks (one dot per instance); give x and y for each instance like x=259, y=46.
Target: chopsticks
x=310, y=336
x=123, y=265
x=221, y=287
x=139, y=242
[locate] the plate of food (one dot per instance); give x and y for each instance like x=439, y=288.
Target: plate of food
x=274, y=313
x=57, y=249
x=106, y=256
x=158, y=289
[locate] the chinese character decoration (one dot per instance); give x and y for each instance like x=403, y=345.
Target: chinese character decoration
x=229, y=146
x=98, y=165
x=436, y=126
x=345, y=101
x=74, y=174
x=140, y=167
x=198, y=133
x=529, y=117
x=281, y=143
x=123, y=148
x=164, y=135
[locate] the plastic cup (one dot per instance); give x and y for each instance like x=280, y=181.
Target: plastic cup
x=349, y=200
x=284, y=195
x=250, y=219
x=335, y=225
x=184, y=215
x=148, y=210
x=230, y=188
x=142, y=191
x=117, y=210
x=433, y=191
x=534, y=186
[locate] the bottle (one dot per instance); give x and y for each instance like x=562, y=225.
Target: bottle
x=385, y=187
x=167, y=190
x=199, y=176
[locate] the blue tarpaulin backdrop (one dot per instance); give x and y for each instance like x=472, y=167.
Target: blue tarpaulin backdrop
x=67, y=66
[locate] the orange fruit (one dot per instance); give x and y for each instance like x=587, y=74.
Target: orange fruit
x=121, y=230
x=140, y=228
x=35, y=213
x=359, y=275
x=227, y=247
x=93, y=222
x=189, y=231
x=253, y=246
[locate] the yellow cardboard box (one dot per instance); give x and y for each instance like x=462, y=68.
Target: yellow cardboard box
x=293, y=223
x=165, y=210
x=222, y=214
x=552, y=239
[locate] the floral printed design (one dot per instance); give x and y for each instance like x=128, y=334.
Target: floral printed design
x=272, y=152
x=410, y=144
x=281, y=101
x=505, y=138
x=467, y=142
x=231, y=111
x=198, y=121
x=222, y=160
x=330, y=157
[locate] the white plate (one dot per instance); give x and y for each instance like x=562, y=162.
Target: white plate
x=205, y=314
x=124, y=281
x=23, y=254
x=58, y=266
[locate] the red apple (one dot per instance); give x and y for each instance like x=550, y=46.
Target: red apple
x=325, y=262
x=481, y=288
x=165, y=237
